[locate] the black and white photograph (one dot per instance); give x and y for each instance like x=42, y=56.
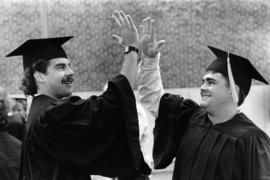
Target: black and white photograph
x=135, y=90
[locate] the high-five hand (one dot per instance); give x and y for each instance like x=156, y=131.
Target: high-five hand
x=148, y=43
x=129, y=35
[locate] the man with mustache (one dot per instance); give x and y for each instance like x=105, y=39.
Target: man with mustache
x=71, y=138
x=213, y=140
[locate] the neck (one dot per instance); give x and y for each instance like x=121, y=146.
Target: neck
x=47, y=94
x=223, y=114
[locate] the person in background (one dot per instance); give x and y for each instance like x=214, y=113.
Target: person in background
x=213, y=139
x=72, y=138
x=18, y=108
x=17, y=120
x=10, y=146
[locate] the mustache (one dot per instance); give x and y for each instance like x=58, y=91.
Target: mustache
x=68, y=79
x=204, y=92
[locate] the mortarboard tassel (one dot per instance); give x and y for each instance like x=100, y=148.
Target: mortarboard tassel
x=231, y=80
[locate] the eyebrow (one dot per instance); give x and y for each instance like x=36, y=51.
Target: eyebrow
x=61, y=64
x=209, y=79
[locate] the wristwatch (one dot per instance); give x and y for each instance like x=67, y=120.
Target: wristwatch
x=128, y=49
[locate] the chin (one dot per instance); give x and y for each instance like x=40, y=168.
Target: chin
x=66, y=94
x=203, y=104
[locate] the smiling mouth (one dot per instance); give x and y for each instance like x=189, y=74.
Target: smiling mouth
x=205, y=95
x=67, y=81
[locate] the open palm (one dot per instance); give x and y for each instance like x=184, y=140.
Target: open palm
x=128, y=35
x=148, y=43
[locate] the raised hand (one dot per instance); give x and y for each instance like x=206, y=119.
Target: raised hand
x=148, y=43
x=128, y=35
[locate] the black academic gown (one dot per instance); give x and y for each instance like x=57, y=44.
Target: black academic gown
x=233, y=150
x=75, y=138
x=10, y=148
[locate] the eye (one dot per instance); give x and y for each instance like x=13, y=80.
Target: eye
x=60, y=67
x=211, y=82
x=202, y=82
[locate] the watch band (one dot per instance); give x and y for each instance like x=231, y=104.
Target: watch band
x=131, y=48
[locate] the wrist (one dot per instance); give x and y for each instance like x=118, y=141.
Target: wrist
x=131, y=48
x=136, y=45
x=150, y=63
x=152, y=54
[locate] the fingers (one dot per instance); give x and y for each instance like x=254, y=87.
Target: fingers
x=116, y=20
x=152, y=29
x=117, y=39
x=118, y=17
x=131, y=23
x=141, y=29
x=121, y=18
x=124, y=17
x=149, y=25
x=128, y=33
x=146, y=25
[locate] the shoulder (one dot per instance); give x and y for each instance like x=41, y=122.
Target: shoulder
x=72, y=100
x=176, y=103
x=66, y=106
x=249, y=128
x=241, y=127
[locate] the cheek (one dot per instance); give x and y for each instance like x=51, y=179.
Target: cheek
x=220, y=92
x=54, y=83
x=56, y=78
x=223, y=94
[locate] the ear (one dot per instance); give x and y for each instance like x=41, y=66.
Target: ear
x=237, y=89
x=39, y=77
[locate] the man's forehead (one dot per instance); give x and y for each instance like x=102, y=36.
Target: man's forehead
x=56, y=61
x=212, y=74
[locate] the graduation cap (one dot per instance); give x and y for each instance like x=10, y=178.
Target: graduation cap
x=237, y=69
x=35, y=49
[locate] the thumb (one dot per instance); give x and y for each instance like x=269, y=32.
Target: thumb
x=117, y=39
x=160, y=43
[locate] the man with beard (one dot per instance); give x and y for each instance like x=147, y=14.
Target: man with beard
x=73, y=138
x=213, y=140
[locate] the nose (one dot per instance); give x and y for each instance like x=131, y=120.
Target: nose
x=70, y=72
x=203, y=86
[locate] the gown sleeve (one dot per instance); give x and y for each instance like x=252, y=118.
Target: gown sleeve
x=149, y=84
x=174, y=113
x=99, y=135
x=257, y=164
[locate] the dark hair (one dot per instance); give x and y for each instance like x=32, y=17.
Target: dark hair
x=6, y=107
x=241, y=95
x=3, y=121
x=28, y=84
